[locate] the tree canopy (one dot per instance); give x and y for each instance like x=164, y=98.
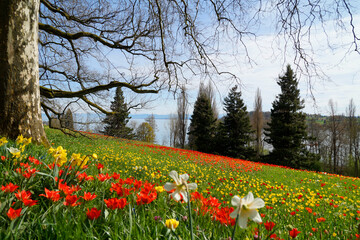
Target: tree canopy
x=202, y=124
x=115, y=124
x=236, y=128
x=287, y=130
x=87, y=47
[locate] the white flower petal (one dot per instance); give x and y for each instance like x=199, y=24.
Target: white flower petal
x=235, y=201
x=242, y=222
x=184, y=177
x=185, y=196
x=234, y=213
x=169, y=186
x=255, y=216
x=176, y=196
x=174, y=175
x=257, y=203
x=192, y=186
x=248, y=198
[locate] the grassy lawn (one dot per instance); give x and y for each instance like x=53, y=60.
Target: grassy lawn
x=118, y=194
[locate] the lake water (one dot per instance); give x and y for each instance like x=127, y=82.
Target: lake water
x=92, y=122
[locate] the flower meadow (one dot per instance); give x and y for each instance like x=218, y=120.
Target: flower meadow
x=99, y=187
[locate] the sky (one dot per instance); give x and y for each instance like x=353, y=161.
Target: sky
x=339, y=80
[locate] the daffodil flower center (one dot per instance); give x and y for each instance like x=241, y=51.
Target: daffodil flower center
x=181, y=187
x=245, y=207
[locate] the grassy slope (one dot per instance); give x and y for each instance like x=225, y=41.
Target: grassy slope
x=335, y=198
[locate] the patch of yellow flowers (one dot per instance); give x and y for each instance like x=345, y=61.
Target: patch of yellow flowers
x=3, y=141
x=60, y=156
x=16, y=152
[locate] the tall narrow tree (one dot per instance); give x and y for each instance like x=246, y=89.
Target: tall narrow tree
x=182, y=118
x=115, y=124
x=67, y=121
x=258, y=123
x=236, y=127
x=202, y=124
x=336, y=128
x=287, y=129
x=353, y=136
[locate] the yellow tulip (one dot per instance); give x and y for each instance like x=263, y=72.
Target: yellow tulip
x=171, y=224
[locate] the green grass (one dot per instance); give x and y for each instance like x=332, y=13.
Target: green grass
x=294, y=199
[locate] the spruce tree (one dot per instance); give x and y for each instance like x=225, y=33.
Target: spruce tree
x=67, y=121
x=115, y=124
x=287, y=130
x=202, y=125
x=236, y=128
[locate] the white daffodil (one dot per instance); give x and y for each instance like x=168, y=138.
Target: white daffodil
x=247, y=208
x=14, y=151
x=180, y=185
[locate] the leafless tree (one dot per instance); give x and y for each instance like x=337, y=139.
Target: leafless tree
x=335, y=128
x=353, y=136
x=317, y=135
x=173, y=130
x=208, y=90
x=258, y=123
x=151, y=120
x=182, y=118
x=156, y=45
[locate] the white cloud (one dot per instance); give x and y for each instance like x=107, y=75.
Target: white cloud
x=340, y=64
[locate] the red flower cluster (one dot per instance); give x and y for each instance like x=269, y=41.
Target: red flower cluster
x=212, y=206
x=34, y=160
x=26, y=170
x=83, y=176
x=269, y=225
x=294, y=232
x=13, y=214
x=25, y=197
x=88, y=196
x=52, y=195
x=94, y=213
x=71, y=200
x=103, y=177
x=146, y=195
x=120, y=190
x=67, y=190
x=114, y=203
x=9, y=188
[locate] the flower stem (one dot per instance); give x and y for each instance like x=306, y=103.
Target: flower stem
x=233, y=233
x=177, y=237
x=189, y=212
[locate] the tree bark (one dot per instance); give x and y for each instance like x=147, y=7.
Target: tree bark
x=19, y=70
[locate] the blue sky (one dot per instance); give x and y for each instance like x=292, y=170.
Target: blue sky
x=340, y=80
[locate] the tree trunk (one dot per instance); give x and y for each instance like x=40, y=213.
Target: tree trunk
x=20, y=109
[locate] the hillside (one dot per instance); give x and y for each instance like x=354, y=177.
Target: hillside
x=303, y=204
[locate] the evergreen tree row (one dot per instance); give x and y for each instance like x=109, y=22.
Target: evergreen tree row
x=232, y=135
x=229, y=136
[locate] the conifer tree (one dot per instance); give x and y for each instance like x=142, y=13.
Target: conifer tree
x=287, y=129
x=67, y=121
x=202, y=125
x=236, y=128
x=115, y=124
